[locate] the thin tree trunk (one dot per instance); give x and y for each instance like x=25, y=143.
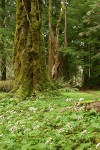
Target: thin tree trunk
x=3, y=53
x=56, y=44
x=64, y=60
x=65, y=29
x=50, y=39
x=54, y=41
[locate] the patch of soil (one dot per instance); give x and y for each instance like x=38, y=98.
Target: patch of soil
x=94, y=105
x=87, y=106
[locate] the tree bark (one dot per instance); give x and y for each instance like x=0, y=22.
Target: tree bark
x=54, y=42
x=3, y=53
x=50, y=40
x=29, y=56
x=64, y=60
x=65, y=28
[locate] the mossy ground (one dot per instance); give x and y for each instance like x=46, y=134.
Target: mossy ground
x=49, y=122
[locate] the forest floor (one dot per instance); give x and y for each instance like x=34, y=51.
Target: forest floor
x=51, y=122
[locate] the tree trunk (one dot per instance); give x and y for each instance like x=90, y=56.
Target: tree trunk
x=3, y=53
x=65, y=28
x=63, y=59
x=50, y=40
x=54, y=42
x=29, y=56
x=3, y=63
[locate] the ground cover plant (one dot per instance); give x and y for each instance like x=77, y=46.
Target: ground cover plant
x=53, y=122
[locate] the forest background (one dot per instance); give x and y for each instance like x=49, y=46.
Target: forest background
x=64, y=58
x=72, y=40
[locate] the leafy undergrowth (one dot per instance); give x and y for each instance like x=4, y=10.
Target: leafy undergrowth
x=49, y=122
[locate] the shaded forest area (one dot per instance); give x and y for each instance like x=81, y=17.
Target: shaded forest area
x=49, y=74
x=71, y=31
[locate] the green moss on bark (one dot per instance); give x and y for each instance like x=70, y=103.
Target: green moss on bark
x=29, y=56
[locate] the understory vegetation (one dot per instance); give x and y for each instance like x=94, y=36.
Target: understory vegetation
x=50, y=122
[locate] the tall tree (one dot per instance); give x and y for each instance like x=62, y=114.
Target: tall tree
x=29, y=55
x=81, y=51
x=3, y=53
x=91, y=36
x=54, y=34
x=63, y=70
x=7, y=28
x=50, y=39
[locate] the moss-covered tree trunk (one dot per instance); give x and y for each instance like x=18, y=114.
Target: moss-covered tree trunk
x=29, y=56
x=2, y=49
